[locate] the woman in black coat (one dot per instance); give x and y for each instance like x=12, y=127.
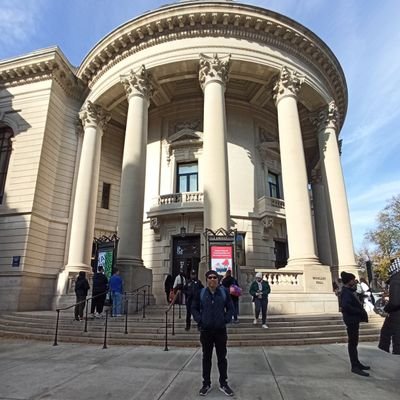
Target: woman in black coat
x=353, y=313
x=391, y=327
x=81, y=290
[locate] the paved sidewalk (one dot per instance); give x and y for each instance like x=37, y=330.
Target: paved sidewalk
x=37, y=370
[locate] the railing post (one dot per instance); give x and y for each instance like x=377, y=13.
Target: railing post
x=56, y=334
x=137, y=301
x=166, y=331
x=148, y=296
x=86, y=314
x=144, y=303
x=173, y=319
x=179, y=305
x=126, y=314
x=105, y=331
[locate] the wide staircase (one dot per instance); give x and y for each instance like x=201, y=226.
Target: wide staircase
x=150, y=330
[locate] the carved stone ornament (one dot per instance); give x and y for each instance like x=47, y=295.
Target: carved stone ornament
x=93, y=114
x=155, y=225
x=214, y=69
x=138, y=83
x=267, y=226
x=288, y=84
x=328, y=117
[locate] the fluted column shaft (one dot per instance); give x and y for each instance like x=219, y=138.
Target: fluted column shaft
x=213, y=78
x=294, y=176
x=93, y=119
x=131, y=203
x=332, y=175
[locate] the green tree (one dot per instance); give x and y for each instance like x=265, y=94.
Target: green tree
x=386, y=237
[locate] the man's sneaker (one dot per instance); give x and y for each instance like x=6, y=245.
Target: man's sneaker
x=204, y=390
x=226, y=389
x=364, y=367
x=359, y=371
x=255, y=322
x=265, y=326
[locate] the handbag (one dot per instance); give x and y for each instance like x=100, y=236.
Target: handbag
x=235, y=290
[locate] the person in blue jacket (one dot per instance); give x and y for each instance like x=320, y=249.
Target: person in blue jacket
x=212, y=309
x=353, y=313
x=116, y=289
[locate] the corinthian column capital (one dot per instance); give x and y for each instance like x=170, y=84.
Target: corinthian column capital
x=213, y=69
x=328, y=117
x=93, y=115
x=288, y=84
x=138, y=83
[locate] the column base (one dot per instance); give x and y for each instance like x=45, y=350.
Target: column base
x=134, y=275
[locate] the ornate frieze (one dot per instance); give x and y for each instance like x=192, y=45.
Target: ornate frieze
x=214, y=69
x=138, y=83
x=94, y=115
x=288, y=84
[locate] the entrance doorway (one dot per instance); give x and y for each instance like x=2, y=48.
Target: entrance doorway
x=186, y=255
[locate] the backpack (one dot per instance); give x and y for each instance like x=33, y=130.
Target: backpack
x=203, y=293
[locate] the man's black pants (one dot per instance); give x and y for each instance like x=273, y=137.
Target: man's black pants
x=209, y=339
x=353, y=333
x=98, y=302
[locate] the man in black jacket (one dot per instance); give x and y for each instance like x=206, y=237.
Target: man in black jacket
x=353, y=313
x=191, y=290
x=100, y=287
x=391, y=327
x=212, y=309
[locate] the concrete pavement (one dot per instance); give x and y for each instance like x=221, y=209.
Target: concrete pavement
x=37, y=370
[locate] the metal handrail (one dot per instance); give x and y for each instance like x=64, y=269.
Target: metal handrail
x=172, y=305
x=55, y=343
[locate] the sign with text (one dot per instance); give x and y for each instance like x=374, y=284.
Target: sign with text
x=105, y=259
x=221, y=258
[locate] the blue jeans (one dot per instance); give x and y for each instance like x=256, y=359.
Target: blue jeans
x=116, y=303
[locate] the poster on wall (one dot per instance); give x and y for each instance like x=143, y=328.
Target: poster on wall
x=221, y=258
x=105, y=260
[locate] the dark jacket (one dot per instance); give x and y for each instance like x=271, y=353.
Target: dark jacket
x=100, y=283
x=393, y=305
x=352, y=310
x=192, y=288
x=168, y=283
x=81, y=287
x=266, y=289
x=214, y=311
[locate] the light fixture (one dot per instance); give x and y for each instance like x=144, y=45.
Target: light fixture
x=183, y=228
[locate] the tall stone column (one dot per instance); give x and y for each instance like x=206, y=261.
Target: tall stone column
x=321, y=212
x=327, y=124
x=213, y=77
x=294, y=176
x=94, y=119
x=131, y=204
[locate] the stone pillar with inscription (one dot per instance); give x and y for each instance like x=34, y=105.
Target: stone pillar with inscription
x=138, y=89
x=213, y=77
x=332, y=175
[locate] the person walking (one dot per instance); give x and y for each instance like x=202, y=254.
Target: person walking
x=168, y=285
x=260, y=290
x=191, y=289
x=179, y=284
x=390, y=331
x=99, y=292
x=81, y=290
x=227, y=281
x=353, y=313
x=116, y=289
x=212, y=309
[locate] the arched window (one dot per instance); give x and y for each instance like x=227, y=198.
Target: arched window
x=5, y=152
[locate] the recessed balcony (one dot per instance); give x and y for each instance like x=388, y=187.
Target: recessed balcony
x=177, y=203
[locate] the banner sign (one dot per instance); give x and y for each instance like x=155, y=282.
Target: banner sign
x=105, y=259
x=221, y=258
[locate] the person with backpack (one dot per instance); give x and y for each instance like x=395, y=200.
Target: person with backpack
x=81, y=290
x=191, y=289
x=212, y=309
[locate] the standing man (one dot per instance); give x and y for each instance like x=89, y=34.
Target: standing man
x=353, y=313
x=191, y=290
x=212, y=309
x=116, y=293
x=99, y=292
x=260, y=290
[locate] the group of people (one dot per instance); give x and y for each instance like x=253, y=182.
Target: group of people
x=354, y=313
x=101, y=289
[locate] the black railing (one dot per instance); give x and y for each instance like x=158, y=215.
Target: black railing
x=177, y=297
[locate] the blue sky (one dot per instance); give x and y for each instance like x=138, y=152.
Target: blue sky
x=363, y=34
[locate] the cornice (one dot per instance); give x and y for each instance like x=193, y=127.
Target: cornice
x=47, y=64
x=205, y=19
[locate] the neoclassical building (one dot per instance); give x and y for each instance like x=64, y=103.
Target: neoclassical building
x=199, y=114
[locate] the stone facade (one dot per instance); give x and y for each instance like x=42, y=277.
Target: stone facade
x=252, y=101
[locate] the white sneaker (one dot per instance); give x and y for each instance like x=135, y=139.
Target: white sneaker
x=255, y=322
x=265, y=326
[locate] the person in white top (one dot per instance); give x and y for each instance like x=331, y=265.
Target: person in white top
x=179, y=284
x=367, y=296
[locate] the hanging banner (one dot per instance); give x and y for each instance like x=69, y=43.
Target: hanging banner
x=105, y=259
x=221, y=258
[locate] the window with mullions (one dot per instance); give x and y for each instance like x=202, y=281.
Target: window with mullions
x=5, y=152
x=273, y=185
x=187, y=179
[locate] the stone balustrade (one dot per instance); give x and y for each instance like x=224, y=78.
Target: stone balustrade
x=186, y=197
